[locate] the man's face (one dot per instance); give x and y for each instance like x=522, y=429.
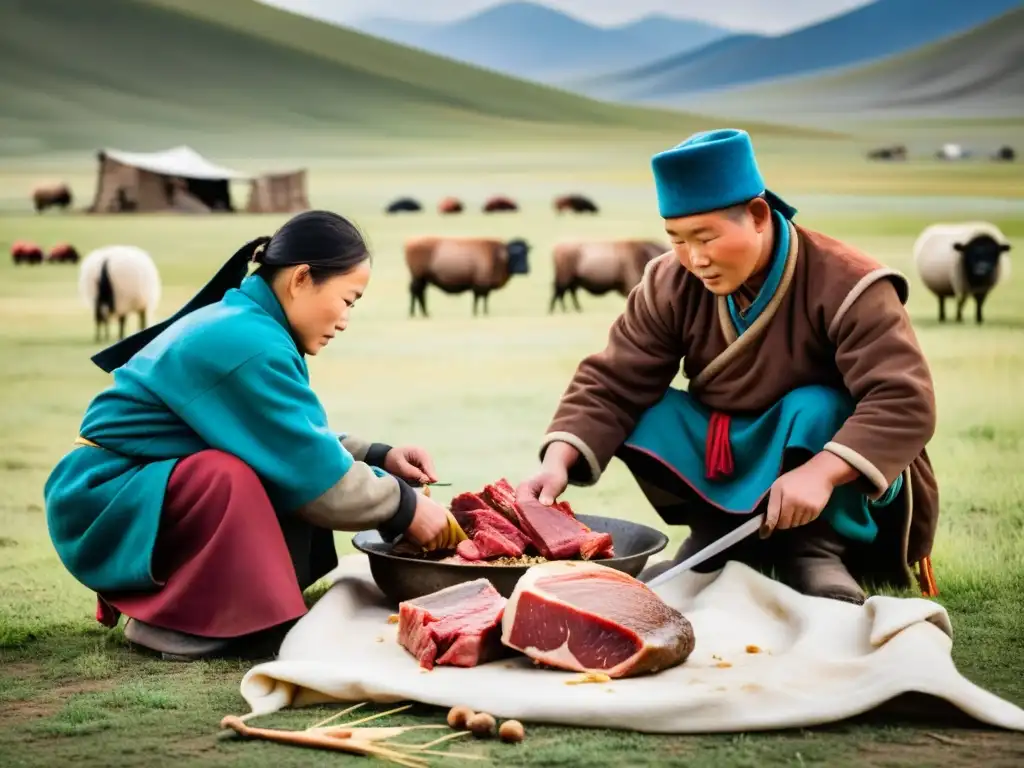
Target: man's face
x=720, y=247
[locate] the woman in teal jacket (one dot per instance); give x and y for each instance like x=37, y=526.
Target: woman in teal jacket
x=203, y=489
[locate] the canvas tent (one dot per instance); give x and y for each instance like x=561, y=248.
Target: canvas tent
x=178, y=179
x=278, y=193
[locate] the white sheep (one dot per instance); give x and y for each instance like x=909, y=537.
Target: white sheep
x=962, y=260
x=116, y=280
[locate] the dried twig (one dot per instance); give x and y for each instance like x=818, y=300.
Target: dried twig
x=336, y=715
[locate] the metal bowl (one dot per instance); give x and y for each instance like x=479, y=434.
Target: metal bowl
x=404, y=578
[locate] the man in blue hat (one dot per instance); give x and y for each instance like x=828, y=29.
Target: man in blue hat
x=808, y=396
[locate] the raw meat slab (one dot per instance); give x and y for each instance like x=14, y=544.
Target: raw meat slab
x=458, y=626
x=584, y=616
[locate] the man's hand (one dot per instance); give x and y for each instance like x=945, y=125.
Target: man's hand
x=411, y=463
x=799, y=496
x=548, y=483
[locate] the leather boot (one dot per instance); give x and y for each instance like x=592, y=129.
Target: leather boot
x=172, y=645
x=814, y=566
x=179, y=646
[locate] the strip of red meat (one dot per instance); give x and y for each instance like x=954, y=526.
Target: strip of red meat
x=491, y=543
x=467, y=501
x=474, y=520
x=502, y=497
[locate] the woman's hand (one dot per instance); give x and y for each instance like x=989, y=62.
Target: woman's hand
x=411, y=463
x=428, y=522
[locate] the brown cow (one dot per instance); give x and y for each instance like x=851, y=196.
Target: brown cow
x=499, y=204
x=58, y=195
x=450, y=205
x=600, y=266
x=23, y=252
x=459, y=264
x=63, y=253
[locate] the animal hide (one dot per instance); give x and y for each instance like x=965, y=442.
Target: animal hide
x=766, y=657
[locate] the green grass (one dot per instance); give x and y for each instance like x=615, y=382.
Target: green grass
x=478, y=393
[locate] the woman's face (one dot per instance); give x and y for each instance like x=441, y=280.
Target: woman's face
x=318, y=311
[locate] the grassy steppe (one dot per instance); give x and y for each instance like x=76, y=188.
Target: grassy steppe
x=479, y=393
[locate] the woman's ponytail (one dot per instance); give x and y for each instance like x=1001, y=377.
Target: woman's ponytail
x=330, y=244
x=228, y=276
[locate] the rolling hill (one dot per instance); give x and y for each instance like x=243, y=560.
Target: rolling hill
x=239, y=75
x=540, y=43
x=878, y=30
x=974, y=75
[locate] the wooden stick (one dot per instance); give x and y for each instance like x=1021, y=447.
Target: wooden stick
x=316, y=740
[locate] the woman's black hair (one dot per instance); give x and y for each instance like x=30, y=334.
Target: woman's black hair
x=330, y=244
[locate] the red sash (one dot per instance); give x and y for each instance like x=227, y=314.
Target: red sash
x=718, y=454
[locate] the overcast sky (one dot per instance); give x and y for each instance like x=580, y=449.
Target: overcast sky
x=753, y=15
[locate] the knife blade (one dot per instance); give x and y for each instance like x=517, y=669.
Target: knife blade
x=712, y=549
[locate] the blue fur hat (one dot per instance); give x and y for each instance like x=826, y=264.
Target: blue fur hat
x=709, y=171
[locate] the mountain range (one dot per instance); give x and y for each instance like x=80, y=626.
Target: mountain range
x=868, y=33
x=540, y=43
x=977, y=74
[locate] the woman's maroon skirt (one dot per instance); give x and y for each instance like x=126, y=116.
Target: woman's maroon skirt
x=228, y=564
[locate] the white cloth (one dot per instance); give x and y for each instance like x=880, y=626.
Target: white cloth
x=821, y=661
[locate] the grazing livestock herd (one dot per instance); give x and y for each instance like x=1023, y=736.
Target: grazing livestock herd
x=113, y=281
x=574, y=203
x=481, y=265
x=949, y=151
x=953, y=260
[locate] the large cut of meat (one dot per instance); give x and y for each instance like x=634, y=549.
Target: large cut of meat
x=459, y=625
x=584, y=616
x=559, y=535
